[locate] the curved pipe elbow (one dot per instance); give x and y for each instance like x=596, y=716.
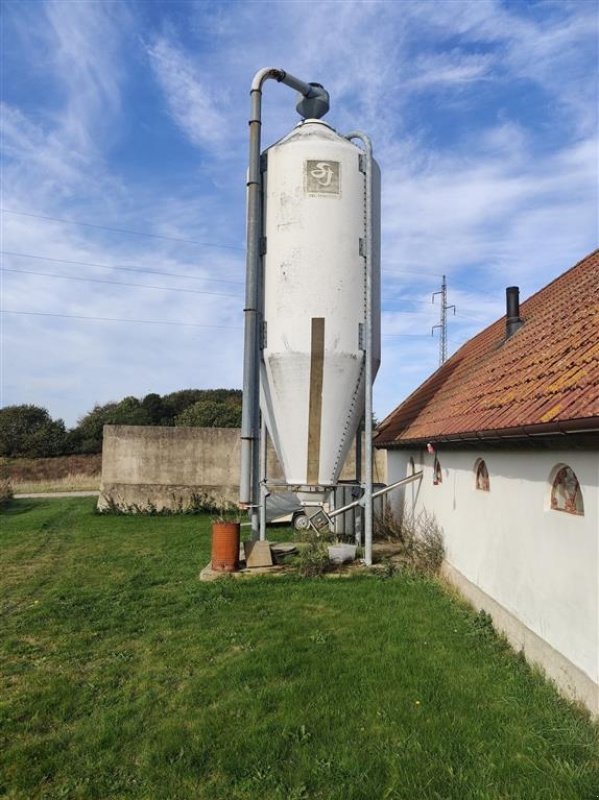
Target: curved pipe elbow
x=265, y=74
x=274, y=73
x=366, y=141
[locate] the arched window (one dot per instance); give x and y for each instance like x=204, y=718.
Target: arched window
x=566, y=494
x=482, y=476
x=437, y=473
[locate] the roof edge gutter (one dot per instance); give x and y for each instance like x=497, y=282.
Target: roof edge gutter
x=562, y=428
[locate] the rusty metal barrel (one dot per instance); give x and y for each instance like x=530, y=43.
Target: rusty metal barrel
x=225, y=546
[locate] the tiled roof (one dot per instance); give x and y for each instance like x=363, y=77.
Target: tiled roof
x=544, y=378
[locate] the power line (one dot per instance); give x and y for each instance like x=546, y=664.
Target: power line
x=164, y=322
x=404, y=335
x=119, y=267
x=146, y=286
x=475, y=288
x=114, y=283
x=401, y=270
x=118, y=319
x=476, y=319
x=120, y=230
x=427, y=274
x=408, y=313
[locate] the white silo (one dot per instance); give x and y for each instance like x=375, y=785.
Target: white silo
x=315, y=294
x=312, y=302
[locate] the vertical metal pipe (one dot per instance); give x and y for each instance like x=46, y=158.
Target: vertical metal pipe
x=358, y=528
x=359, y=451
x=249, y=413
x=368, y=351
x=249, y=478
x=263, y=476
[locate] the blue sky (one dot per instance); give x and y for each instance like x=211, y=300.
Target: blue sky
x=132, y=117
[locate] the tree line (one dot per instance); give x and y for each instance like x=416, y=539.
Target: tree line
x=29, y=431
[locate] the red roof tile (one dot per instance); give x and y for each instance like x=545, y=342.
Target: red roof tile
x=546, y=374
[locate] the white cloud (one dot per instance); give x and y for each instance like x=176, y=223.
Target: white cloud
x=460, y=211
x=190, y=98
x=443, y=70
x=56, y=165
x=488, y=208
x=84, y=40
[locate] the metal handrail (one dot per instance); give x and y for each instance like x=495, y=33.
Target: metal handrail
x=379, y=493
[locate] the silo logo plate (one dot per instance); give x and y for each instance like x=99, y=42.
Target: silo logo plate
x=322, y=177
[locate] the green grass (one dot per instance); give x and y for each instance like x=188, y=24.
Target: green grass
x=124, y=677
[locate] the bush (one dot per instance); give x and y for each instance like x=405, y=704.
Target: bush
x=313, y=560
x=6, y=493
x=210, y=413
x=420, y=537
x=31, y=432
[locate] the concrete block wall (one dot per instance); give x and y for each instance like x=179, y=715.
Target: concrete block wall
x=167, y=468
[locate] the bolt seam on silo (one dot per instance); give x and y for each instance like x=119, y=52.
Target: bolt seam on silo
x=352, y=407
x=363, y=252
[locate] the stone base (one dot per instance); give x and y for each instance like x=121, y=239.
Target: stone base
x=257, y=554
x=209, y=574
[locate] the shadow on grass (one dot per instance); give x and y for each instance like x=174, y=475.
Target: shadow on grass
x=16, y=507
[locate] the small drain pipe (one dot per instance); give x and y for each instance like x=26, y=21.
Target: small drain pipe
x=314, y=101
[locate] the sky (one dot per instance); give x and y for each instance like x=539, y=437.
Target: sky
x=124, y=150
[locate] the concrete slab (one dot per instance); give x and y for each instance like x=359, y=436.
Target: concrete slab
x=284, y=548
x=279, y=550
x=282, y=552
x=208, y=574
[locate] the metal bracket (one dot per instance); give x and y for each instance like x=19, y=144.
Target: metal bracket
x=263, y=245
x=362, y=163
x=319, y=521
x=362, y=247
x=264, y=340
x=361, y=337
x=264, y=162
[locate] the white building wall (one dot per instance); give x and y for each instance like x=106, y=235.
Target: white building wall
x=541, y=566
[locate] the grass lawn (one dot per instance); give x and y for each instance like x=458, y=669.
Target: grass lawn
x=124, y=677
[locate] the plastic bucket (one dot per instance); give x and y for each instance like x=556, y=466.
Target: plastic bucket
x=340, y=553
x=225, y=546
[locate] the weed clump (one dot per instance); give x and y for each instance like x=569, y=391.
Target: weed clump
x=420, y=538
x=197, y=503
x=313, y=559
